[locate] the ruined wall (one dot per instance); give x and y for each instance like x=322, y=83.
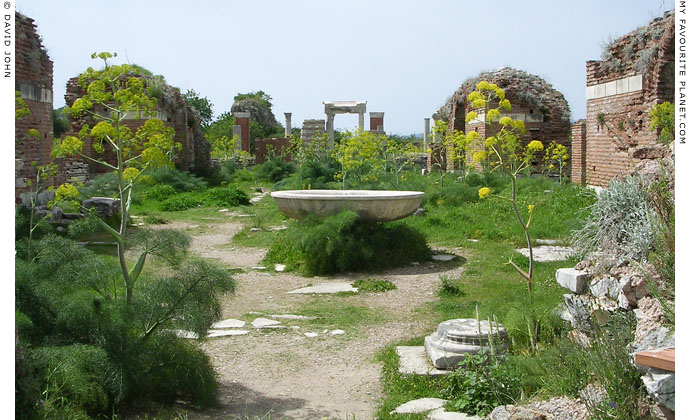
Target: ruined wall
x=34, y=79
x=171, y=109
x=542, y=108
x=636, y=72
x=277, y=146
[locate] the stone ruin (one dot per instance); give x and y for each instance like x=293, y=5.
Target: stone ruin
x=636, y=71
x=34, y=80
x=542, y=108
x=171, y=109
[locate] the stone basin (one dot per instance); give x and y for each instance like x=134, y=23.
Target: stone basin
x=371, y=205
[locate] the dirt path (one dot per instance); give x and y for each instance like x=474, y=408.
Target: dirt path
x=287, y=374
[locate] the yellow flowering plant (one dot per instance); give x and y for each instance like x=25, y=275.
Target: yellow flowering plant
x=505, y=153
x=456, y=146
x=121, y=92
x=556, y=158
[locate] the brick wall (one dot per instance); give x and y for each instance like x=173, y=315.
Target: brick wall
x=578, y=151
x=280, y=145
x=171, y=109
x=622, y=91
x=34, y=79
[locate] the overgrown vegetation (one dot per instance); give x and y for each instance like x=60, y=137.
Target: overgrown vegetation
x=342, y=243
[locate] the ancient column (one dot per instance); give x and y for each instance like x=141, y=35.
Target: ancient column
x=329, y=127
x=436, y=138
x=361, y=121
x=237, y=131
x=288, y=124
x=426, y=132
x=376, y=122
x=242, y=119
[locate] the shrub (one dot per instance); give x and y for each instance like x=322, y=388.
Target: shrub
x=159, y=192
x=181, y=202
x=226, y=196
x=450, y=287
x=101, y=186
x=180, y=181
x=621, y=221
x=77, y=375
x=274, y=170
x=341, y=243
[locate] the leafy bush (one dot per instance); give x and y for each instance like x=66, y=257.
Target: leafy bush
x=621, y=221
x=478, y=385
x=218, y=196
x=374, y=285
x=450, y=287
x=78, y=375
x=100, y=353
x=274, y=170
x=182, y=201
x=180, y=181
x=341, y=243
x=101, y=186
x=159, y=192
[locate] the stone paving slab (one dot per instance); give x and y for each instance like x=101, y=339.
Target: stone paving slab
x=294, y=317
x=413, y=361
x=228, y=323
x=441, y=414
x=548, y=253
x=421, y=405
x=264, y=322
x=224, y=333
x=326, y=288
x=443, y=257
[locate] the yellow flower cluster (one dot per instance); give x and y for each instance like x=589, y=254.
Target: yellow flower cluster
x=530, y=208
x=479, y=156
x=66, y=192
x=535, y=146
x=484, y=192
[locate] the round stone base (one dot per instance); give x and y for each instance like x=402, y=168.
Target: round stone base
x=456, y=338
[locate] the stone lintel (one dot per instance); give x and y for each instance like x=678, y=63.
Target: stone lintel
x=241, y=114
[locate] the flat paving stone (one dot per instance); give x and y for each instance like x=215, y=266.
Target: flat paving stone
x=442, y=257
x=311, y=334
x=421, y=405
x=186, y=334
x=413, y=361
x=228, y=323
x=264, y=322
x=326, y=288
x=223, y=333
x=450, y=415
x=279, y=267
x=548, y=253
x=337, y=332
x=295, y=317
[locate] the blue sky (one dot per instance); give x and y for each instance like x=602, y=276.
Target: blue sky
x=403, y=57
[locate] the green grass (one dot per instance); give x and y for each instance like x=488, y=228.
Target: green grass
x=374, y=285
x=556, y=214
x=339, y=312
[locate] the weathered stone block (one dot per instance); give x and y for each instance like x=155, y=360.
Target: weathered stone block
x=572, y=279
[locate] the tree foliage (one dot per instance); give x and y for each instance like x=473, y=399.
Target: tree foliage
x=201, y=105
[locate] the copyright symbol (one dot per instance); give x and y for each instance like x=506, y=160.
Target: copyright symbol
x=8, y=5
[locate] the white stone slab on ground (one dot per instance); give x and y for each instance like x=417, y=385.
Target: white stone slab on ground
x=280, y=267
x=337, y=332
x=442, y=414
x=295, y=317
x=326, y=288
x=264, y=322
x=186, y=334
x=421, y=405
x=228, y=323
x=442, y=257
x=224, y=333
x=548, y=253
x=311, y=334
x=572, y=279
x=413, y=361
